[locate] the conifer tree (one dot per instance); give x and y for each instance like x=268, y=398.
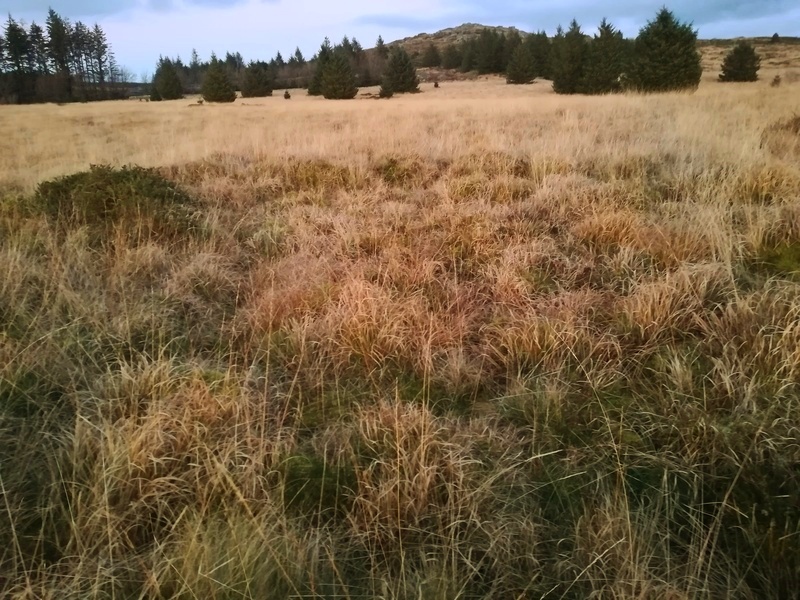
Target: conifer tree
x=400, y=76
x=338, y=81
x=520, y=67
x=741, y=64
x=381, y=49
x=539, y=47
x=217, y=86
x=666, y=56
x=323, y=56
x=257, y=81
x=605, y=61
x=451, y=57
x=431, y=57
x=569, y=60
x=166, y=83
x=469, y=55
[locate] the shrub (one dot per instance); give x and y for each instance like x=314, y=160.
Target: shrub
x=138, y=200
x=741, y=64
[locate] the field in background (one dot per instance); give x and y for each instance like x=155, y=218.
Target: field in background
x=481, y=342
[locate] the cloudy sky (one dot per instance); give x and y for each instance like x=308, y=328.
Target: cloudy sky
x=140, y=30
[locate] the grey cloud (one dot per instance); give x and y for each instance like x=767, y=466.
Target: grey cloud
x=77, y=9
x=545, y=16
x=404, y=22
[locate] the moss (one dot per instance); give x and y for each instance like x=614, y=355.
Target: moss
x=137, y=201
x=781, y=261
x=317, y=489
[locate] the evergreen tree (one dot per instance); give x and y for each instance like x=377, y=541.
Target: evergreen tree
x=16, y=61
x=323, y=56
x=257, y=81
x=338, y=81
x=451, y=57
x=489, y=46
x=605, y=62
x=666, y=56
x=469, y=56
x=431, y=58
x=58, y=42
x=166, y=83
x=741, y=64
x=538, y=46
x=381, y=49
x=569, y=60
x=520, y=67
x=38, y=49
x=217, y=86
x=512, y=41
x=400, y=76
x=298, y=57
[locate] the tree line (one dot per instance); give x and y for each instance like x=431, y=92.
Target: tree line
x=58, y=62
x=336, y=71
x=662, y=57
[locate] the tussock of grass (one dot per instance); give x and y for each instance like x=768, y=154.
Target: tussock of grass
x=465, y=361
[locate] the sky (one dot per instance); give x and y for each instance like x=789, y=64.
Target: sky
x=141, y=30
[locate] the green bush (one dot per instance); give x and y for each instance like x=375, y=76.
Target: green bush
x=137, y=200
x=741, y=64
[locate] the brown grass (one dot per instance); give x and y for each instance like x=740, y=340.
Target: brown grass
x=482, y=342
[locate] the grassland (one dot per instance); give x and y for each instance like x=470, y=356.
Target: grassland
x=482, y=342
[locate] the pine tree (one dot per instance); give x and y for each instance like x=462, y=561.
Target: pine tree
x=400, y=76
x=666, y=56
x=323, y=56
x=451, y=57
x=217, y=86
x=166, y=83
x=741, y=64
x=539, y=47
x=469, y=55
x=431, y=58
x=381, y=49
x=520, y=67
x=569, y=62
x=338, y=81
x=257, y=82
x=605, y=62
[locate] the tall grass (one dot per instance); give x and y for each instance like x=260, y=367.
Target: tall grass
x=439, y=347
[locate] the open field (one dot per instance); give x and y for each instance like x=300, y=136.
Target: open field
x=481, y=342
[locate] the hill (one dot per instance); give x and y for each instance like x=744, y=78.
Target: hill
x=784, y=54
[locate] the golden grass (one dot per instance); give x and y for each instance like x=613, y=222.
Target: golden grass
x=480, y=342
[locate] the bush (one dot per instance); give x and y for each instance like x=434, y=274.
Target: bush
x=741, y=64
x=137, y=200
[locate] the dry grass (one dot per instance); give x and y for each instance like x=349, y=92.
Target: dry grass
x=482, y=342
